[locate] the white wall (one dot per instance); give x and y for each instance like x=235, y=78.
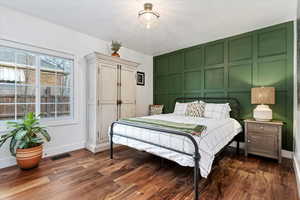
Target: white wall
x=296, y=103
x=296, y=108
x=26, y=29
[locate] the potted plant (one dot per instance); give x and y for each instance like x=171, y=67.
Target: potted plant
x=115, y=47
x=26, y=139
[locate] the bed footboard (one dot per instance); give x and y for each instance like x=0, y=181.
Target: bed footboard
x=195, y=155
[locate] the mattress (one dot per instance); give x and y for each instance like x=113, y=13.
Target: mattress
x=214, y=138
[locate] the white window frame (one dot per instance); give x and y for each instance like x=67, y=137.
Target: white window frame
x=61, y=121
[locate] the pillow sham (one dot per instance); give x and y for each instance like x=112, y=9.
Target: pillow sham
x=180, y=108
x=195, y=109
x=217, y=110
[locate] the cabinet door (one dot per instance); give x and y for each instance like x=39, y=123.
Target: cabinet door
x=107, y=109
x=108, y=114
x=108, y=81
x=128, y=92
x=263, y=144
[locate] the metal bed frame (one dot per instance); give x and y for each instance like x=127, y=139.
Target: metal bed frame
x=235, y=112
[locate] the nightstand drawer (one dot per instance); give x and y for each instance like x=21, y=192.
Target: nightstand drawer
x=262, y=128
x=263, y=144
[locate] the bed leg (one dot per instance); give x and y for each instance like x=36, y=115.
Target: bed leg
x=111, y=150
x=161, y=162
x=111, y=142
x=237, y=147
x=196, y=176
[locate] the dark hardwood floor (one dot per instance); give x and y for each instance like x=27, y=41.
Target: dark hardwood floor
x=135, y=175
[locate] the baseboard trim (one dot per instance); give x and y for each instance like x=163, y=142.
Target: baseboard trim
x=7, y=162
x=51, y=151
x=287, y=154
x=63, y=149
x=297, y=174
x=284, y=153
x=99, y=147
x=10, y=161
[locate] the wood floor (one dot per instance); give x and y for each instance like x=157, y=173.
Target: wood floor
x=135, y=175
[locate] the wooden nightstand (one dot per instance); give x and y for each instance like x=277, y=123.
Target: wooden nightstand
x=263, y=138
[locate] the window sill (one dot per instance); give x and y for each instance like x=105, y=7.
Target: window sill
x=63, y=122
x=48, y=123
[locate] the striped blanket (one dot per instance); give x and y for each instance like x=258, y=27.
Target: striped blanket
x=192, y=129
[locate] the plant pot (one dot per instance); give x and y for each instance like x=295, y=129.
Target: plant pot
x=29, y=158
x=115, y=54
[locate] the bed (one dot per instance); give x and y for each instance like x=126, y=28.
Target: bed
x=185, y=149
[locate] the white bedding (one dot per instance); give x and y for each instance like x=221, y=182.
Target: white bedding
x=217, y=135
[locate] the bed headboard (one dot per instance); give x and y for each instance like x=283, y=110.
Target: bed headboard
x=233, y=102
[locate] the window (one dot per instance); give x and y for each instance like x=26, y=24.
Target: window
x=35, y=82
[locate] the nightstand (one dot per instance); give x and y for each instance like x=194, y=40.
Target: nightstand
x=263, y=138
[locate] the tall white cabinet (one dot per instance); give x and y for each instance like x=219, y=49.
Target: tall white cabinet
x=111, y=90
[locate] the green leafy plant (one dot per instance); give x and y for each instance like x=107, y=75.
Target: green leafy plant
x=115, y=46
x=25, y=134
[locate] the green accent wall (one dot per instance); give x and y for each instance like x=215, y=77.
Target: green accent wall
x=230, y=68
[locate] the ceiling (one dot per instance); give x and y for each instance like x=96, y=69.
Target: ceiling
x=183, y=23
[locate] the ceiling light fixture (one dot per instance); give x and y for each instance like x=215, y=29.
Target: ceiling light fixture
x=148, y=17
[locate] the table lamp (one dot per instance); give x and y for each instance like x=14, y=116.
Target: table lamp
x=263, y=96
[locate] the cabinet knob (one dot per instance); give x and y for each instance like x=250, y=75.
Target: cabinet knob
x=249, y=141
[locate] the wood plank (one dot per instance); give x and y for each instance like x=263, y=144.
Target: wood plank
x=140, y=176
x=6, y=192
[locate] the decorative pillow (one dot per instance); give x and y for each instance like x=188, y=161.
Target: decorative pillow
x=195, y=109
x=180, y=108
x=217, y=111
x=155, y=109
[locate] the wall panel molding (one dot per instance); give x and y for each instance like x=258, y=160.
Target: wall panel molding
x=230, y=68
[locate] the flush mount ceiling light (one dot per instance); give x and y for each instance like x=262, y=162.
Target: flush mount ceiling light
x=148, y=17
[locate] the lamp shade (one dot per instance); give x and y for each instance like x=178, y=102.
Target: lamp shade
x=263, y=95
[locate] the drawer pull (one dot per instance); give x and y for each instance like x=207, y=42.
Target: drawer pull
x=261, y=127
x=249, y=141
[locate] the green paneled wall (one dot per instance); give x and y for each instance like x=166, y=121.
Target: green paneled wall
x=229, y=68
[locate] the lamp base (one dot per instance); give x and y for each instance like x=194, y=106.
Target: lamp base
x=262, y=113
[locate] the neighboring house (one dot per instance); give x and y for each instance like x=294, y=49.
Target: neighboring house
x=22, y=76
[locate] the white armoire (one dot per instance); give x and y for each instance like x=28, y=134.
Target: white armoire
x=111, y=90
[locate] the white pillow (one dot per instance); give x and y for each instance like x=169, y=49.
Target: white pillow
x=217, y=110
x=180, y=108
